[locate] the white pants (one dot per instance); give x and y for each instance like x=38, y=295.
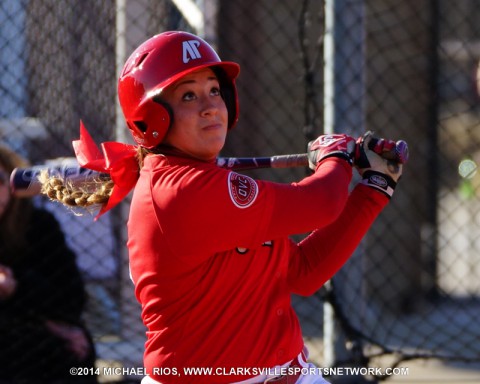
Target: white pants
x=312, y=375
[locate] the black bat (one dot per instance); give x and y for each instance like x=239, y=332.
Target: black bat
x=398, y=155
x=24, y=181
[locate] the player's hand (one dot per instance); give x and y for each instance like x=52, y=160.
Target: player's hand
x=325, y=146
x=377, y=172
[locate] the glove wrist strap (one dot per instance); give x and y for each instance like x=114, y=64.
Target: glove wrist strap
x=379, y=181
x=341, y=155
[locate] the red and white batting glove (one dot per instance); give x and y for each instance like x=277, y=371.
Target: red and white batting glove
x=377, y=172
x=325, y=146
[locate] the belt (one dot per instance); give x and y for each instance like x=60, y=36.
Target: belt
x=294, y=371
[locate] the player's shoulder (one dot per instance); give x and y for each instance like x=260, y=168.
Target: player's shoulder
x=169, y=162
x=177, y=177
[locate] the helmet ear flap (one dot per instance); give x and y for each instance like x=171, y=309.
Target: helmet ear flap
x=156, y=118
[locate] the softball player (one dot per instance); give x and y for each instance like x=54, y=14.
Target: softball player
x=210, y=253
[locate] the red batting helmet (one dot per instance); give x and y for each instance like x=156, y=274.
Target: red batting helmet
x=157, y=63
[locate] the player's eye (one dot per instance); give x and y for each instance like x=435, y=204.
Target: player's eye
x=188, y=96
x=215, y=91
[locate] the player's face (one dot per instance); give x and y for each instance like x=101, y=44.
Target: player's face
x=200, y=117
x=4, y=190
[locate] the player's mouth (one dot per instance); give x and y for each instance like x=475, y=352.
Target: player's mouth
x=213, y=127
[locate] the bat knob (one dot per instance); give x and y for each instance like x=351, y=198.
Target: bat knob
x=401, y=150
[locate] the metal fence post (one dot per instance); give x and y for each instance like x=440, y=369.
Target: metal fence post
x=344, y=88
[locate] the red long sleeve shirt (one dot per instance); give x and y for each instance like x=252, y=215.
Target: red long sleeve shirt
x=214, y=268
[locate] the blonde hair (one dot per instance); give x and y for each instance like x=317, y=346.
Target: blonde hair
x=89, y=195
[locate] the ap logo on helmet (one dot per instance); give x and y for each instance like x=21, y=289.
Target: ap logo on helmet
x=190, y=50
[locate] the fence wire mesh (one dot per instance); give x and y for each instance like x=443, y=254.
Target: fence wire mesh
x=403, y=69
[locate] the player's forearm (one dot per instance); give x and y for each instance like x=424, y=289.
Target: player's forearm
x=319, y=257
x=314, y=202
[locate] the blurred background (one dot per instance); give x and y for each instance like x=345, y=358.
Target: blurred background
x=403, y=69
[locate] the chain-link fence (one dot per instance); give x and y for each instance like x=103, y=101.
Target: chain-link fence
x=403, y=69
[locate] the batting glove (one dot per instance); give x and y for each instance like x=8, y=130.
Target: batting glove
x=325, y=146
x=377, y=172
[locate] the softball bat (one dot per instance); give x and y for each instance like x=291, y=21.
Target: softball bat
x=399, y=154
x=24, y=181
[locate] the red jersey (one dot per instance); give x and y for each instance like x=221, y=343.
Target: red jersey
x=214, y=268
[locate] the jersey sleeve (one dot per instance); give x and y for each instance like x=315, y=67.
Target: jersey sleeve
x=219, y=210
x=318, y=257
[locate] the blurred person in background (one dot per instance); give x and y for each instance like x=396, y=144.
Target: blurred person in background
x=42, y=294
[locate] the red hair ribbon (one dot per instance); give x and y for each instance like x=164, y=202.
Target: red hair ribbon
x=118, y=160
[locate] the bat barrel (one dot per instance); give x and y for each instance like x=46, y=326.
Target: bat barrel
x=24, y=181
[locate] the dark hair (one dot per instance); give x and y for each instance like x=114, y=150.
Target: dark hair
x=15, y=218
x=228, y=93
